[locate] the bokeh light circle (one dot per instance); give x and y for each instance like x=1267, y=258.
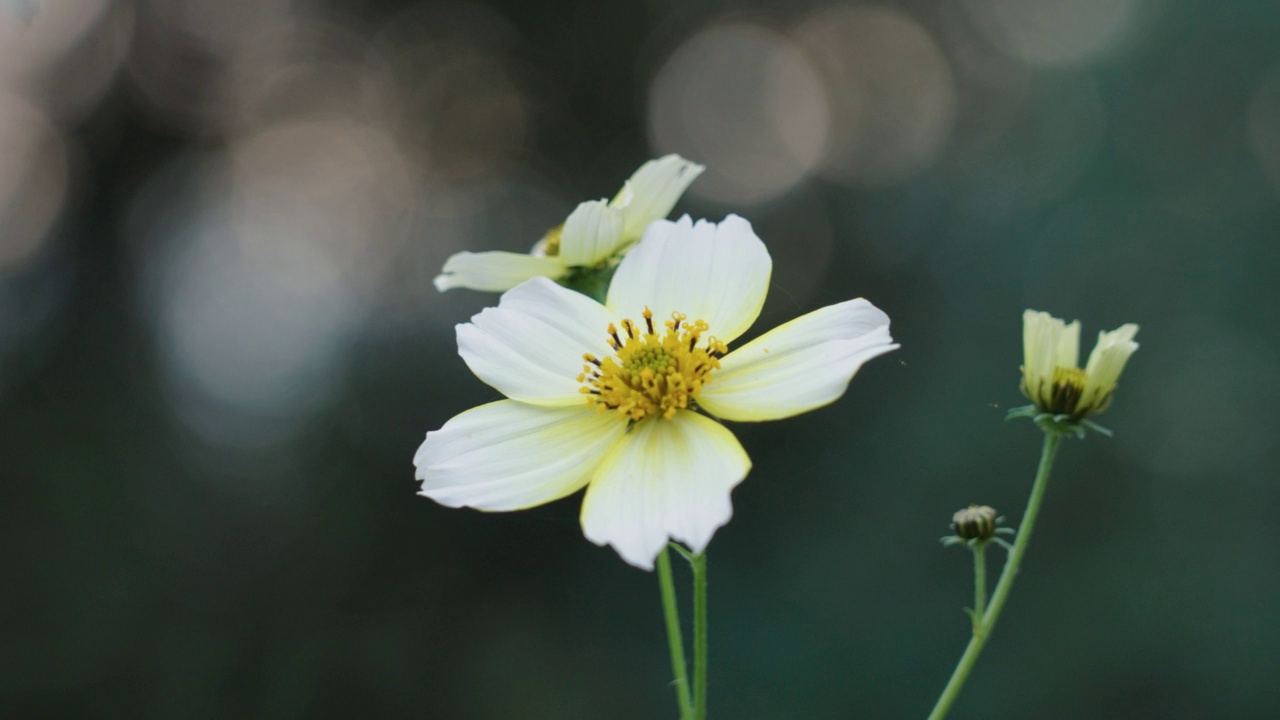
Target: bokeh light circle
x=891, y=93
x=1264, y=126
x=33, y=180
x=251, y=317
x=1053, y=32
x=744, y=100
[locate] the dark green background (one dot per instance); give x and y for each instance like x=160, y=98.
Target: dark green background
x=155, y=567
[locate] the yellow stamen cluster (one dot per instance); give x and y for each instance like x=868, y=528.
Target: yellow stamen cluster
x=651, y=373
x=1063, y=394
x=549, y=245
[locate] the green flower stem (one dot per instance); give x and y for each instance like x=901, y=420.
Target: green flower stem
x=671, y=614
x=699, y=564
x=982, y=630
x=979, y=582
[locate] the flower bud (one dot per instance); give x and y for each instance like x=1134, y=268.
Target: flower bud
x=976, y=522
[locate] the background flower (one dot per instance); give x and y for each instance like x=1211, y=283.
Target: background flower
x=595, y=232
x=1051, y=376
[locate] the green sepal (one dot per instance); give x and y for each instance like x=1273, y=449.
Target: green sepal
x=1060, y=424
x=591, y=281
x=1097, y=428
x=1027, y=411
x=973, y=543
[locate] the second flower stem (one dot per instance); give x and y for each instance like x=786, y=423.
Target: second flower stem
x=671, y=614
x=979, y=582
x=699, y=564
x=986, y=621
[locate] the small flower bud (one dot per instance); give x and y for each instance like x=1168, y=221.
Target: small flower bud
x=976, y=522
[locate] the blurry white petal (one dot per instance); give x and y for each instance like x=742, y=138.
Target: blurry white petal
x=1111, y=353
x=1047, y=343
x=1106, y=362
x=718, y=273
x=666, y=479
x=653, y=190
x=1068, y=344
x=592, y=233
x=530, y=347
x=799, y=366
x=495, y=271
x=509, y=456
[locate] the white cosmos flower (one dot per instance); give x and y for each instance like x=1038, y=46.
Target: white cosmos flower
x=1051, y=376
x=601, y=401
x=594, y=233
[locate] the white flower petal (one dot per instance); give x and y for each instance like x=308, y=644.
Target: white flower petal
x=1112, y=352
x=799, y=366
x=1068, y=345
x=530, y=347
x=1107, y=361
x=665, y=479
x=509, y=456
x=1047, y=342
x=717, y=273
x=653, y=190
x=592, y=233
x=495, y=271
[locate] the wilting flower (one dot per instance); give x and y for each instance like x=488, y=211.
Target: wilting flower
x=594, y=234
x=1051, y=376
x=607, y=396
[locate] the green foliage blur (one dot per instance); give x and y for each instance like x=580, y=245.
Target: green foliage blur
x=220, y=347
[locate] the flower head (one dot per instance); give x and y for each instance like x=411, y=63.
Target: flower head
x=975, y=526
x=1051, y=377
x=976, y=522
x=594, y=234
x=607, y=396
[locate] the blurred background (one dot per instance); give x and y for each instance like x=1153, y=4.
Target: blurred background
x=220, y=347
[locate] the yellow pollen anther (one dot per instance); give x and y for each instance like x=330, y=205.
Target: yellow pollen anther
x=549, y=245
x=652, y=373
x=1062, y=396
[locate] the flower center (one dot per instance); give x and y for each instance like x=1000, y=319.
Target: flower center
x=549, y=245
x=651, y=373
x=1068, y=386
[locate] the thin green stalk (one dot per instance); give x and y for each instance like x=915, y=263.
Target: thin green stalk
x=979, y=581
x=699, y=564
x=982, y=630
x=671, y=613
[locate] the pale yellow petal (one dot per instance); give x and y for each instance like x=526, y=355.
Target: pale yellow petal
x=653, y=190
x=509, y=456
x=1106, y=362
x=1048, y=342
x=666, y=480
x=592, y=233
x=495, y=271
x=798, y=366
x=530, y=346
x=717, y=273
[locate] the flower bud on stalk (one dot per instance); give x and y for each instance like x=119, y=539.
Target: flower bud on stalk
x=976, y=522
